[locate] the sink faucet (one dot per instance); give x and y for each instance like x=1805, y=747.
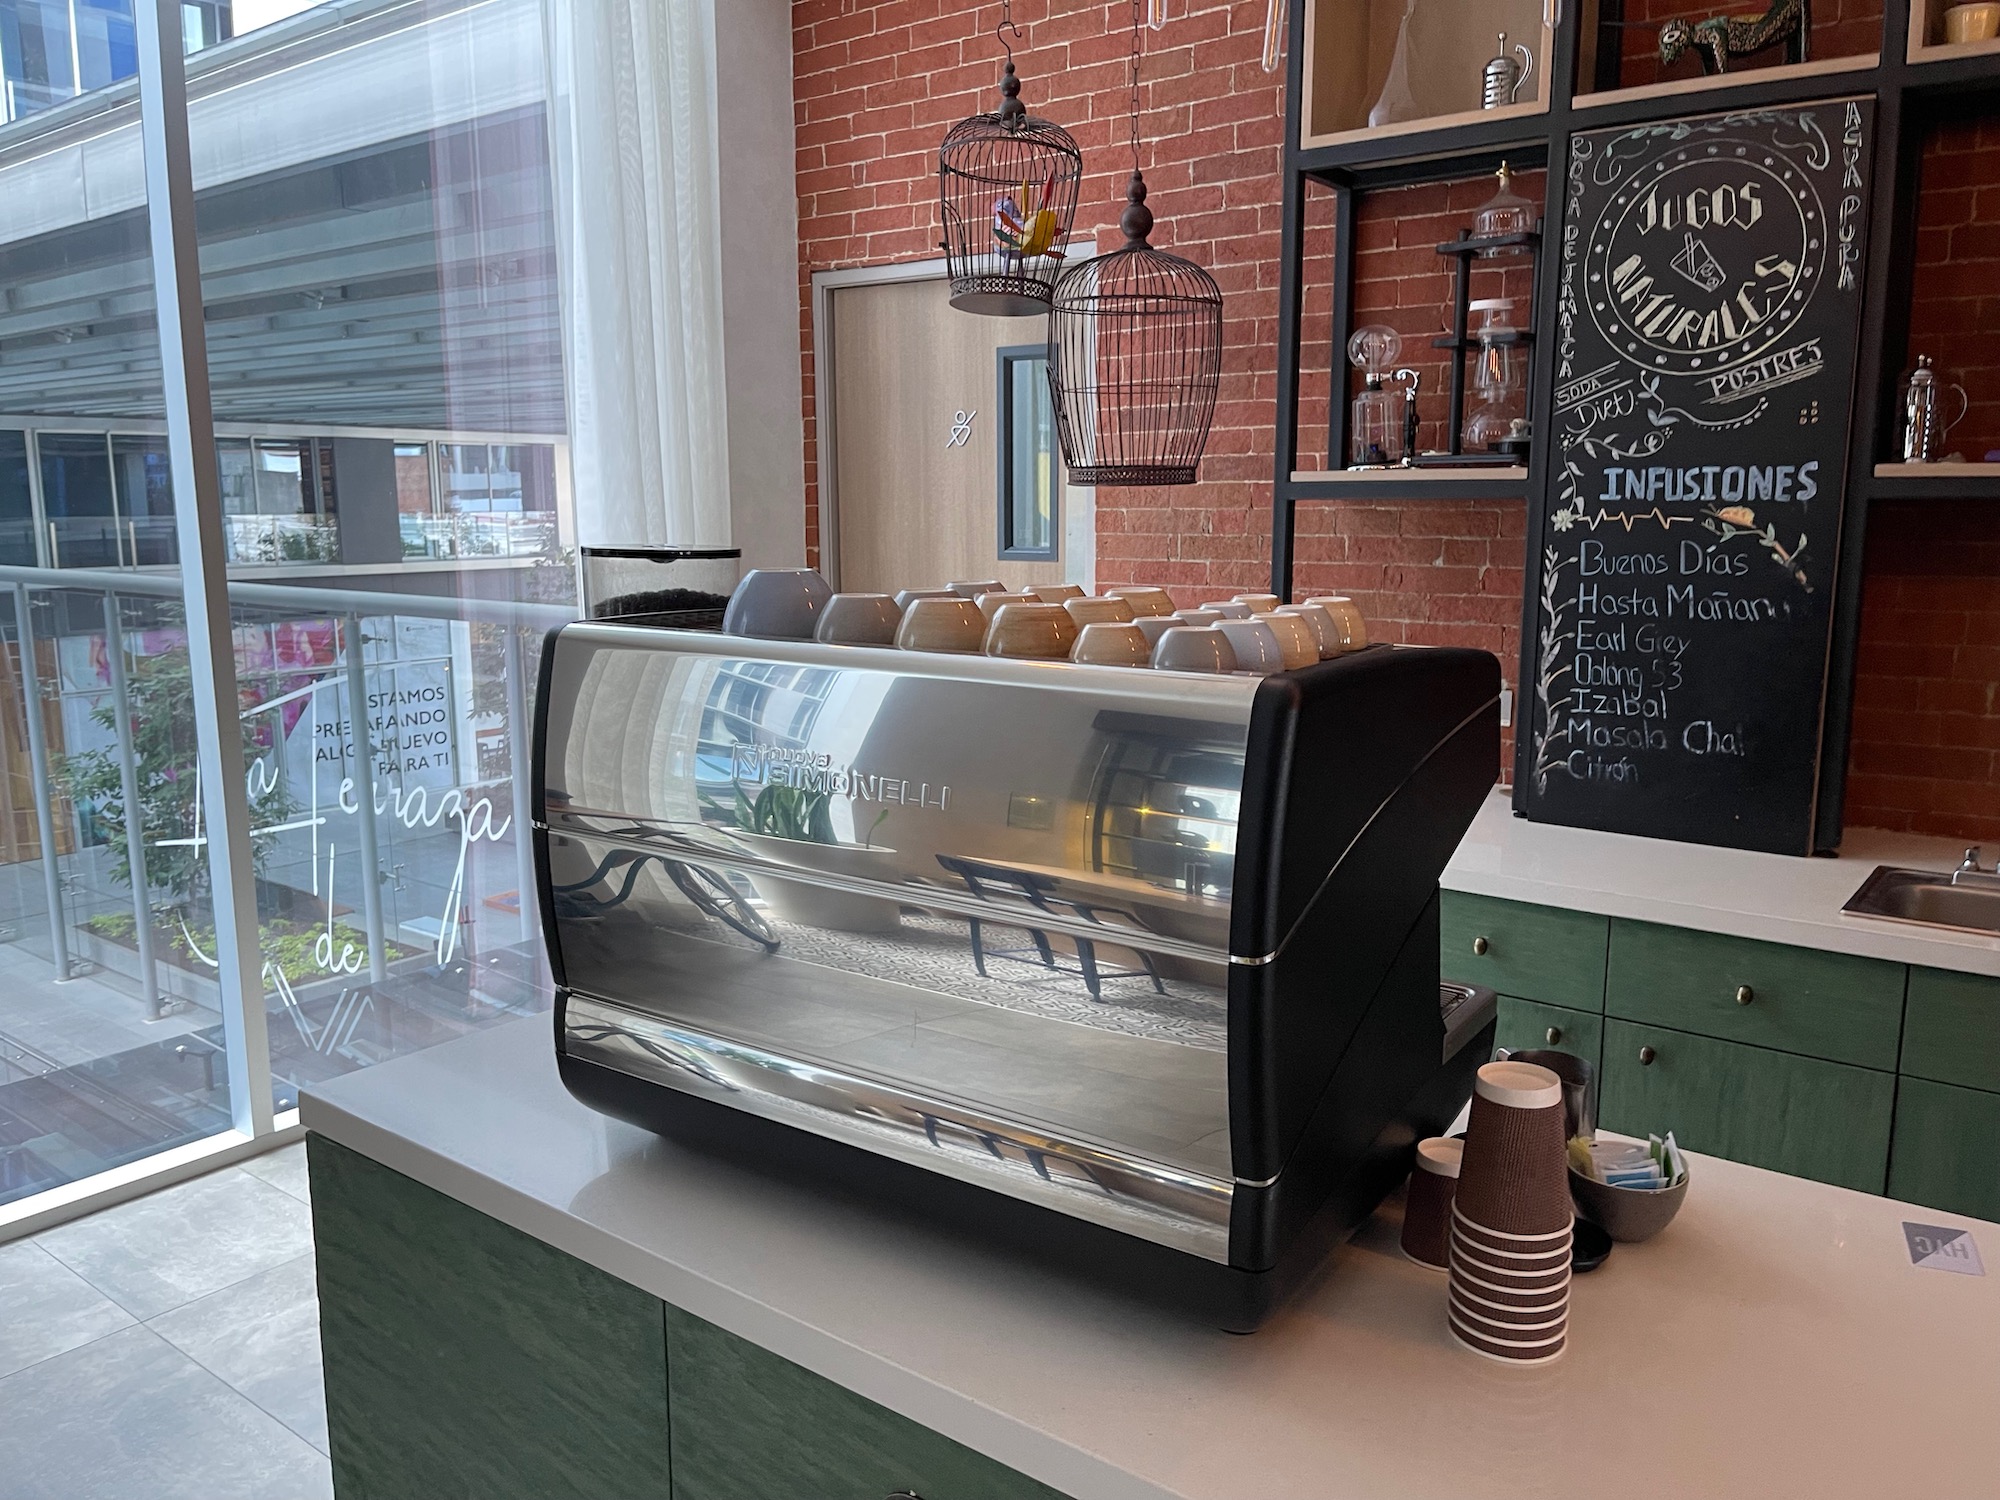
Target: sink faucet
x=1970, y=872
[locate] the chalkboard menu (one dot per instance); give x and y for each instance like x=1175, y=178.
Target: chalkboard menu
x=1682, y=577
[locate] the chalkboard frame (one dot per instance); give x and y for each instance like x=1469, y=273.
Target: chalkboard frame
x=1909, y=98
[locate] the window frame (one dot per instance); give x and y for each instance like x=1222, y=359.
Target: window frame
x=1005, y=358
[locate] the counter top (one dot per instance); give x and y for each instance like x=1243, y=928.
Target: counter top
x=1774, y=1342
x=1777, y=897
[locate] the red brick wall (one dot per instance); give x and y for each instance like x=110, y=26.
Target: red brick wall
x=1926, y=753
x=1955, y=306
x=1926, y=748
x=879, y=81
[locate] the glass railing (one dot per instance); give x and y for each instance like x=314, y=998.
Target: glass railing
x=379, y=932
x=485, y=534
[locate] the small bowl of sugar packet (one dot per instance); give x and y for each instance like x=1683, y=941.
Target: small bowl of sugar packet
x=1631, y=1189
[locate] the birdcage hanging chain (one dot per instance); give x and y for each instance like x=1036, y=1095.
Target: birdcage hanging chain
x=1137, y=22
x=1006, y=25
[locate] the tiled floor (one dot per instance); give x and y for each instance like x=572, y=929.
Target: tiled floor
x=168, y=1347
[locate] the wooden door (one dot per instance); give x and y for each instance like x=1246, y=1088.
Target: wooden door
x=915, y=388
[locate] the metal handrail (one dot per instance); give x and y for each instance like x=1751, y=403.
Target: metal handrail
x=299, y=596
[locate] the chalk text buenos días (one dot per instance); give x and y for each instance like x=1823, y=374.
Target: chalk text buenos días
x=1725, y=484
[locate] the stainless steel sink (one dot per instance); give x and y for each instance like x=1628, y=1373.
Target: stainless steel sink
x=1928, y=898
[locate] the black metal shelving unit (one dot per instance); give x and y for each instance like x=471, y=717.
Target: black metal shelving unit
x=1910, y=98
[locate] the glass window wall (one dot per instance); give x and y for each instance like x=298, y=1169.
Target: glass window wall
x=384, y=349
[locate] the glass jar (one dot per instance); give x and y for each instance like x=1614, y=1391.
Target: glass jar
x=1376, y=423
x=1505, y=213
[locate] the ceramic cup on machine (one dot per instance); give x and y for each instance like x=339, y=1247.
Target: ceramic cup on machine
x=859, y=620
x=991, y=604
x=906, y=597
x=1261, y=604
x=1112, y=643
x=1154, y=626
x=948, y=624
x=1229, y=609
x=1198, y=617
x=1256, y=646
x=1055, y=593
x=1098, y=611
x=1042, y=632
x=776, y=604
x=969, y=590
x=1144, y=599
x=1194, y=648
x=1325, y=629
x=1296, y=642
x=1347, y=614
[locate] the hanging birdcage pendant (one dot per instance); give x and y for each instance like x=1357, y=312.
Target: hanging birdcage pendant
x=1135, y=359
x=1007, y=186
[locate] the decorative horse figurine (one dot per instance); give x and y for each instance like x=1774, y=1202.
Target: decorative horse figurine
x=1719, y=38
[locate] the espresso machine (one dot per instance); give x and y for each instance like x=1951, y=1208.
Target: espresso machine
x=1133, y=970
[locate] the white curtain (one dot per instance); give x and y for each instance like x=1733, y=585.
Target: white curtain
x=633, y=142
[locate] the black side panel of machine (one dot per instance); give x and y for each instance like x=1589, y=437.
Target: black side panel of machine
x=1337, y=867
x=545, y=698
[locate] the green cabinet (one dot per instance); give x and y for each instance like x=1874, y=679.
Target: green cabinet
x=464, y=1358
x=1800, y=1115
x=1952, y=1031
x=1824, y=1005
x=1526, y=1025
x=1947, y=1152
x=1532, y=952
x=467, y=1359
x=748, y=1425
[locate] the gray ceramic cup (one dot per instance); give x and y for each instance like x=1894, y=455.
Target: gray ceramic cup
x=1194, y=648
x=1230, y=609
x=1325, y=629
x=1255, y=645
x=1155, y=626
x=776, y=604
x=906, y=597
x=1196, y=617
x=966, y=589
x=859, y=620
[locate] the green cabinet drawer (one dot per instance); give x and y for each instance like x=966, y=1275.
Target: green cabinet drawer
x=1534, y=952
x=1792, y=1114
x=1528, y=1024
x=749, y=1425
x=1766, y=994
x=1951, y=1031
x=1947, y=1151
x=464, y=1357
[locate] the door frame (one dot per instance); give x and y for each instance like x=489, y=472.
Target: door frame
x=1079, y=535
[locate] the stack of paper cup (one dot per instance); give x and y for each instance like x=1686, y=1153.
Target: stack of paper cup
x=1427, y=1209
x=1511, y=1219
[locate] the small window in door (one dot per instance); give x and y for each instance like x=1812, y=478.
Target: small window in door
x=1030, y=468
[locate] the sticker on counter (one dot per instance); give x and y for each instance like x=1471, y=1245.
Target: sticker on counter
x=1938, y=1248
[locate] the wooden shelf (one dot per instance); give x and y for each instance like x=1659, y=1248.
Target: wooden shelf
x=1924, y=50
x=1474, y=483
x=1968, y=481
x=1678, y=87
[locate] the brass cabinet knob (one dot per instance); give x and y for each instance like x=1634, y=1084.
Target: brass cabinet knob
x=1480, y=945
x=1744, y=994
x=1646, y=1056
x=1555, y=1035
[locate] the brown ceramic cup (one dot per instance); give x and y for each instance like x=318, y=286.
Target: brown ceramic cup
x=1104, y=610
x=948, y=624
x=1112, y=643
x=859, y=620
x=1297, y=644
x=1326, y=631
x=1353, y=629
x=1144, y=598
x=1055, y=593
x=989, y=604
x=1043, y=632
x=1262, y=604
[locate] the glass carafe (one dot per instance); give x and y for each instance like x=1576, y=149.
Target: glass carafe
x=1376, y=424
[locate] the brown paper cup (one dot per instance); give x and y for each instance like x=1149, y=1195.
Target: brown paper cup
x=1427, y=1209
x=1511, y=1351
x=1516, y=1174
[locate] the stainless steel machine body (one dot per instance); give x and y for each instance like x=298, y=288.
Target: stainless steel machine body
x=1155, y=953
